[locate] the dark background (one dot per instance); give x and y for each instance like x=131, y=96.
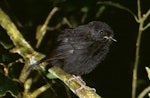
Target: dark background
x=113, y=78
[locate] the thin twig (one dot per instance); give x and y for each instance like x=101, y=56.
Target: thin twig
x=38, y=91
x=145, y=16
x=117, y=5
x=27, y=86
x=141, y=21
x=135, y=68
x=42, y=29
x=147, y=26
x=139, y=9
x=144, y=92
x=67, y=22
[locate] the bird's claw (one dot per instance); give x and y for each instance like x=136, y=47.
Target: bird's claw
x=82, y=84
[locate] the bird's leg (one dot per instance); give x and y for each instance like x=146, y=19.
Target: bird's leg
x=78, y=78
x=81, y=82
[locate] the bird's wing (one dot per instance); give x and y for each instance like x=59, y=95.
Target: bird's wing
x=72, y=44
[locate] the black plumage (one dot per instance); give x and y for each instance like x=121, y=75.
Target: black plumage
x=82, y=48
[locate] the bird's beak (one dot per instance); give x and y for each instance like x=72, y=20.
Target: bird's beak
x=110, y=38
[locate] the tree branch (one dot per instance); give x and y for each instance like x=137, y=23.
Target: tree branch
x=21, y=45
x=30, y=56
x=73, y=85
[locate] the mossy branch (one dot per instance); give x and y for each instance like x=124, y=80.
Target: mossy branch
x=73, y=85
x=21, y=45
x=31, y=56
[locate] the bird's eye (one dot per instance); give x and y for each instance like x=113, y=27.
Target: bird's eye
x=101, y=32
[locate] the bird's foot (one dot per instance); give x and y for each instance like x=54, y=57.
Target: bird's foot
x=78, y=78
x=82, y=84
x=85, y=87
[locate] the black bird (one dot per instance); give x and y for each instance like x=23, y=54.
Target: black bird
x=82, y=48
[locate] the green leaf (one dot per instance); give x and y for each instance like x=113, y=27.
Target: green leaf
x=84, y=9
x=100, y=11
x=51, y=76
x=7, y=85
